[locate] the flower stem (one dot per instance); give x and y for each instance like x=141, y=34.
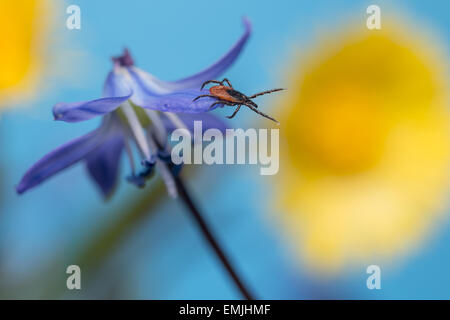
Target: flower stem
x=210, y=238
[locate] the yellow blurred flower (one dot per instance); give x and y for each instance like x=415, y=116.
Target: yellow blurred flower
x=23, y=38
x=365, y=146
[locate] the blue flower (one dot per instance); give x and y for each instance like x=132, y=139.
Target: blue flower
x=135, y=107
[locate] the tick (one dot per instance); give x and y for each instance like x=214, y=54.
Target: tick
x=225, y=94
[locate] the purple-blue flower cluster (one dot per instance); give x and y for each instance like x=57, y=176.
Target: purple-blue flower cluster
x=135, y=107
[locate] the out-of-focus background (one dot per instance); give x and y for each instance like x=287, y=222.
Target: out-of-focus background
x=364, y=152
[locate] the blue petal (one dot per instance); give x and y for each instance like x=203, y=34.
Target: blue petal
x=59, y=159
x=154, y=86
x=181, y=102
x=116, y=92
x=208, y=121
x=217, y=68
x=103, y=163
x=177, y=102
x=116, y=84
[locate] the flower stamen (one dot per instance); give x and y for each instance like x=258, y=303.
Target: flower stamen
x=138, y=132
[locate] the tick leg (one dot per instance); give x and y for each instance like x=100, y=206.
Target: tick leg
x=227, y=81
x=248, y=101
x=234, y=113
x=265, y=92
x=209, y=81
x=204, y=95
x=261, y=113
x=220, y=102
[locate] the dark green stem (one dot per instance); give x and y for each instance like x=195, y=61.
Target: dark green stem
x=210, y=238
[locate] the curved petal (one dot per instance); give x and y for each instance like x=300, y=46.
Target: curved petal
x=103, y=163
x=155, y=86
x=116, y=91
x=116, y=84
x=217, y=68
x=59, y=159
x=178, y=102
x=208, y=121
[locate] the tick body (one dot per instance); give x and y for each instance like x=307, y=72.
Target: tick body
x=225, y=94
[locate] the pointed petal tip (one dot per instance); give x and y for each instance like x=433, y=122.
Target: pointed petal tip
x=57, y=160
x=107, y=192
x=107, y=196
x=103, y=163
x=56, y=115
x=20, y=189
x=115, y=92
x=247, y=23
x=85, y=110
x=211, y=72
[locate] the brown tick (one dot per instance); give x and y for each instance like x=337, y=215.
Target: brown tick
x=225, y=94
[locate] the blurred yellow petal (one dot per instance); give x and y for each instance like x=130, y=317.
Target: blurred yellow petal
x=23, y=38
x=366, y=152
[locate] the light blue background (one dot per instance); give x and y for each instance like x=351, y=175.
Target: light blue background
x=166, y=257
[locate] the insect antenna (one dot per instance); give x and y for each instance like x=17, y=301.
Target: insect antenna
x=265, y=92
